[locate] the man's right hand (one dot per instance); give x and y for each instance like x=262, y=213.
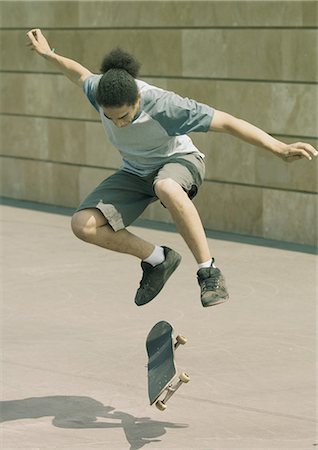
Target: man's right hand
x=38, y=42
x=71, y=69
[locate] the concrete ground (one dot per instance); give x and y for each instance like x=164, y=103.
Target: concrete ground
x=73, y=346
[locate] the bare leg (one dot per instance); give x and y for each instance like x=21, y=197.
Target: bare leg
x=185, y=216
x=91, y=226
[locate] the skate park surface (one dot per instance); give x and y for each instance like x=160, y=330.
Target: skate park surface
x=73, y=345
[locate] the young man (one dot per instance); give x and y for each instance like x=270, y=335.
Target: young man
x=149, y=127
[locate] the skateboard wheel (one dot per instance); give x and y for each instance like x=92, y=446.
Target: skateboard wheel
x=184, y=377
x=181, y=339
x=160, y=405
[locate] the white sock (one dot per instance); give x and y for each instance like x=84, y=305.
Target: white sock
x=206, y=264
x=156, y=257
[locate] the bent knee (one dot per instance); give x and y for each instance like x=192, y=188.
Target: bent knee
x=84, y=223
x=169, y=190
x=81, y=225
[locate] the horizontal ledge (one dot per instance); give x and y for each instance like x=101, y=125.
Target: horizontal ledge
x=259, y=186
x=52, y=161
x=77, y=119
x=170, y=27
x=156, y=225
x=179, y=77
x=33, y=116
x=208, y=180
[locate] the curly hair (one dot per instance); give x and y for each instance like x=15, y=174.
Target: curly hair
x=119, y=59
x=117, y=86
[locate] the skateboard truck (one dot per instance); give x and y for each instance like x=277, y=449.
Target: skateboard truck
x=171, y=389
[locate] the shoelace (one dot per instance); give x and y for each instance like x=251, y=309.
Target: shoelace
x=211, y=283
x=144, y=283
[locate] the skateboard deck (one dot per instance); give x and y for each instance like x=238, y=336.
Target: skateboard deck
x=162, y=369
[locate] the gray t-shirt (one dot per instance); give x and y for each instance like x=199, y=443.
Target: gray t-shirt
x=158, y=132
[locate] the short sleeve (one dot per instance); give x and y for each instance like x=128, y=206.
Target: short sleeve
x=89, y=88
x=178, y=115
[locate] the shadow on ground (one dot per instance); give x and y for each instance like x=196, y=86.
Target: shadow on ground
x=84, y=412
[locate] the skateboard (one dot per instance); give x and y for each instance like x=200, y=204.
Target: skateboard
x=162, y=369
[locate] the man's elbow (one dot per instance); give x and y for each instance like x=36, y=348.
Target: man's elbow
x=222, y=122
x=81, y=79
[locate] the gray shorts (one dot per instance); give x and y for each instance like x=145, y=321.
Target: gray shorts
x=123, y=196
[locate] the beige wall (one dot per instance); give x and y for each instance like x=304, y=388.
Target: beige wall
x=254, y=59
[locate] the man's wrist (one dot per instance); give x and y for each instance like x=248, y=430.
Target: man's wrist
x=48, y=54
x=278, y=147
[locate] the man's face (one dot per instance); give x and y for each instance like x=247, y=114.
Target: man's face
x=123, y=115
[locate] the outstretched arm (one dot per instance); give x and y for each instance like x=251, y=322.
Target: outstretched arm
x=226, y=123
x=72, y=69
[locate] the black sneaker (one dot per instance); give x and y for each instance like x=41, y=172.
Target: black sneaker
x=212, y=284
x=155, y=277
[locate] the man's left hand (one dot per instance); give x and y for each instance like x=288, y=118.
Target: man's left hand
x=299, y=150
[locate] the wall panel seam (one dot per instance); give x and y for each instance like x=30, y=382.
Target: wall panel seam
x=207, y=180
x=33, y=116
x=179, y=77
x=78, y=119
x=172, y=27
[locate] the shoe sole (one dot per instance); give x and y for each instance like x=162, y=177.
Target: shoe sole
x=223, y=300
